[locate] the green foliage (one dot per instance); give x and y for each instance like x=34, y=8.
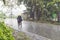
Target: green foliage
x=5, y=32
x=2, y=15
x=54, y=15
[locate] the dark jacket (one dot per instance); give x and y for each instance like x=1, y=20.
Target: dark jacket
x=19, y=19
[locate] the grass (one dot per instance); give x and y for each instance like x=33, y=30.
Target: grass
x=21, y=36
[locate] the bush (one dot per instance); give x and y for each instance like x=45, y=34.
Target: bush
x=5, y=32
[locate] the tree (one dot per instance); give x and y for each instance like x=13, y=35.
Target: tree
x=4, y=1
x=54, y=6
x=41, y=8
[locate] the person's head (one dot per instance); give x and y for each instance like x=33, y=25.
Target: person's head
x=19, y=16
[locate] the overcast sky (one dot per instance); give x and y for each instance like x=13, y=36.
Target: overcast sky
x=16, y=10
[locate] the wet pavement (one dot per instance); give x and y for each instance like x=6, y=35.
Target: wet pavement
x=27, y=27
x=37, y=31
x=49, y=31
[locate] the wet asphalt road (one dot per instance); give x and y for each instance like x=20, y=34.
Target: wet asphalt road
x=27, y=27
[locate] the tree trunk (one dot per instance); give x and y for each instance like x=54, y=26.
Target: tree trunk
x=58, y=16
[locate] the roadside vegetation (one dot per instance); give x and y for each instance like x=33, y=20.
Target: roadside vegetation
x=5, y=32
